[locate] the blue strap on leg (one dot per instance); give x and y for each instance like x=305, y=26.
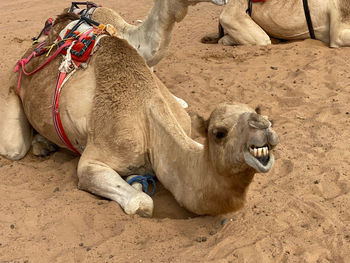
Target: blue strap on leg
x=144, y=179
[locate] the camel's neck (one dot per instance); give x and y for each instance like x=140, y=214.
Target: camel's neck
x=152, y=37
x=183, y=167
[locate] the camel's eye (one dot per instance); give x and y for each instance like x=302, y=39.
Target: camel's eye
x=220, y=133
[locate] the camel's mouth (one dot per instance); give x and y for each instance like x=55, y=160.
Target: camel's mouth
x=259, y=157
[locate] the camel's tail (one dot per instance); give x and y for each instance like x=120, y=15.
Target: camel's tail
x=214, y=39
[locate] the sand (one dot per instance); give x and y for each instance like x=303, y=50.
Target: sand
x=298, y=212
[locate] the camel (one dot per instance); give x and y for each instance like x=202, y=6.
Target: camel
x=152, y=37
x=284, y=20
x=125, y=122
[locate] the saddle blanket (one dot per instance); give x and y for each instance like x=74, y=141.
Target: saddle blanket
x=84, y=38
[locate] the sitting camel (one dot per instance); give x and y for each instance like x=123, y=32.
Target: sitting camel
x=284, y=20
x=125, y=122
x=151, y=38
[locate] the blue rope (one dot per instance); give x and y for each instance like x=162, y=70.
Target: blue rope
x=144, y=179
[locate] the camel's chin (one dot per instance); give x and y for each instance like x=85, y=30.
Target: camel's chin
x=261, y=165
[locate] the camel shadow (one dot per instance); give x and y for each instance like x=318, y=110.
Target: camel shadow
x=165, y=205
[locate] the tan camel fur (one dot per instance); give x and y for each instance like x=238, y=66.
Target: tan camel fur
x=285, y=20
x=151, y=39
x=125, y=122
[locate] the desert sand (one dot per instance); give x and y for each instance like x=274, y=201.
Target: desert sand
x=298, y=212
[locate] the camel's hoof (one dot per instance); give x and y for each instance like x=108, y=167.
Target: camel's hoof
x=43, y=147
x=226, y=41
x=140, y=204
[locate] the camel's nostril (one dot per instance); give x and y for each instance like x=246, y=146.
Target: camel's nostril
x=273, y=138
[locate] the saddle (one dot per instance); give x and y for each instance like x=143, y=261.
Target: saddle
x=82, y=36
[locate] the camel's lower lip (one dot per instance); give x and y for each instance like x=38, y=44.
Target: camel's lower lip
x=259, y=158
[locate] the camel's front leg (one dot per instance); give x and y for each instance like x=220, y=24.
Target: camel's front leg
x=240, y=29
x=15, y=130
x=98, y=178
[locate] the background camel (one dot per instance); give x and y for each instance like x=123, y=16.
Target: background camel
x=151, y=38
x=124, y=121
x=284, y=20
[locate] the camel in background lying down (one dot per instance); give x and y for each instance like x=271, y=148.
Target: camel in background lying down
x=125, y=122
x=284, y=20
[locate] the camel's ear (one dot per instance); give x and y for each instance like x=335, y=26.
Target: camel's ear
x=258, y=111
x=199, y=124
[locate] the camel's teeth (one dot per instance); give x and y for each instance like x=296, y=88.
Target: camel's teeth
x=259, y=152
x=265, y=151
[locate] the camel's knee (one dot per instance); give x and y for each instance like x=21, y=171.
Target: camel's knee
x=13, y=152
x=15, y=148
x=15, y=130
x=242, y=30
x=341, y=39
x=141, y=204
x=263, y=40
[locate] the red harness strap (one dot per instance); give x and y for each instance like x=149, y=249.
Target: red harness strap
x=21, y=63
x=56, y=113
x=255, y=1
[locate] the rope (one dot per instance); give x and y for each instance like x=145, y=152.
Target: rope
x=144, y=179
x=24, y=61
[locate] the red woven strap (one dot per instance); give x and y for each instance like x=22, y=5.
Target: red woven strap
x=255, y=1
x=56, y=113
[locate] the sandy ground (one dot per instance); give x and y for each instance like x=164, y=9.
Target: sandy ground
x=299, y=212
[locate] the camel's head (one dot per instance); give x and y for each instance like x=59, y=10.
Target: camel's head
x=239, y=139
